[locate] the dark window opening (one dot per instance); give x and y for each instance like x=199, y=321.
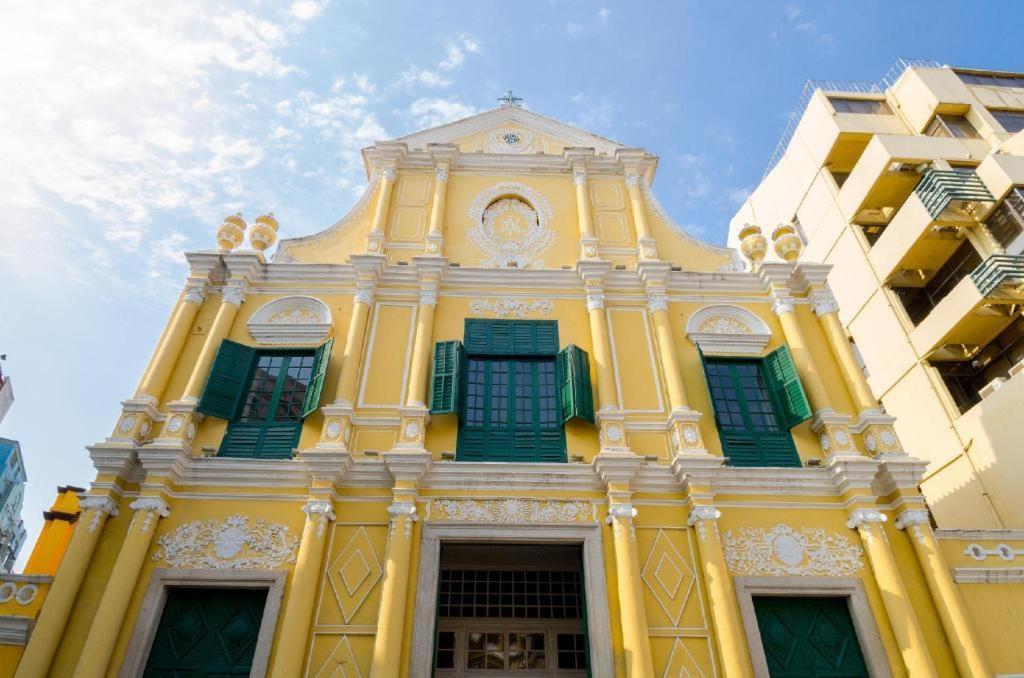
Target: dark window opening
x=1007, y=221
x=947, y=125
x=918, y=302
x=1012, y=121
x=965, y=378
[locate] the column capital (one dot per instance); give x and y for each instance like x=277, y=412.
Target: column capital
x=428, y=296
x=320, y=511
x=151, y=504
x=624, y=510
x=579, y=176
x=781, y=304
x=865, y=518
x=389, y=172
x=595, y=299
x=632, y=177
x=234, y=292
x=364, y=292
x=402, y=511
x=701, y=513
x=915, y=516
x=441, y=171
x=823, y=302
x=195, y=292
x=657, y=300
x=102, y=505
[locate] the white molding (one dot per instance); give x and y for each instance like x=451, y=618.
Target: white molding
x=729, y=330
x=367, y=361
x=15, y=630
x=850, y=588
x=163, y=579
x=598, y=627
x=293, y=320
x=979, y=535
x=988, y=575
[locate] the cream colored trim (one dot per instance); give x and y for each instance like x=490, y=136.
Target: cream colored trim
x=368, y=355
x=267, y=326
x=847, y=587
x=15, y=630
x=156, y=595
x=980, y=535
x=602, y=665
x=988, y=575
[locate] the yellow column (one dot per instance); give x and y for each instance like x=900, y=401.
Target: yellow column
x=298, y=610
x=387, y=648
x=231, y=299
x=636, y=641
x=354, y=345
x=380, y=211
x=606, y=398
x=168, y=350
x=898, y=608
x=99, y=644
x=956, y=623
x=657, y=304
x=825, y=307
x=53, y=618
x=420, y=369
x=440, y=194
x=636, y=203
x=725, y=612
x=579, y=177
x=809, y=375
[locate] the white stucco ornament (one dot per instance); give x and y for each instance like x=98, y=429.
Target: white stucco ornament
x=723, y=329
x=510, y=308
x=176, y=423
x=690, y=434
x=511, y=510
x=291, y=320
x=614, y=433
x=412, y=429
x=333, y=430
x=510, y=225
x=787, y=551
x=229, y=543
x=127, y=423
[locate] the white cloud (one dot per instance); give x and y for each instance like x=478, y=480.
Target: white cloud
x=433, y=112
x=456, y=47
x=304, y=10
x=422, y=76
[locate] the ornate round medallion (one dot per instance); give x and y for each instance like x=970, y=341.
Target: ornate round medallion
x=26, y=594
x=888, y=438
x=190, y=432
x=871, y=443
x=788, y=548
x=127, y=423
x=826, y=444
x=510, y=140
x=675, y=438
x=175, y=424
x=7, y=591
x=690, y=434
x=509, y=224
x=144, y=429
x=614, y=433
x=229, y=542
x=333, y=430
x=412, y=429
x=841, y=437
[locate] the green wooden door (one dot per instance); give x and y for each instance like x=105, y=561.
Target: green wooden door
x=747, y=415
x=207, y=633
x=809, y=638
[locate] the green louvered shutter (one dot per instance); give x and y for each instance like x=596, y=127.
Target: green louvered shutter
x=316, y=383
x=260, y=440
x=511, y=337
x=783, y=381
x=575, y=394
x=446, y=379
x=228, y=380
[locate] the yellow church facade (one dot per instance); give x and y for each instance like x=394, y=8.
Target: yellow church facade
x=507, y=418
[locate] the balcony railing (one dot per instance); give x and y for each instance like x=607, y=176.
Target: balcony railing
x=998, y=270
x=938, y=188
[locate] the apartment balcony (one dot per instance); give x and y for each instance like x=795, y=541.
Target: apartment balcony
x=889, y=169
x=976, y=309
x=928, y=228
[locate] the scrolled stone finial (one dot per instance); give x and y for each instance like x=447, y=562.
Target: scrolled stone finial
x=231, y=232
x=263, y=233
x=788, y=244
x=753, y=245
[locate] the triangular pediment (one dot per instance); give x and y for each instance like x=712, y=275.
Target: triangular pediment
x=510, y=129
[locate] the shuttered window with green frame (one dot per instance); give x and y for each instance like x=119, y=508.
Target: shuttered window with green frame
x=512, y=390
x=756, y=402
x=265, y=395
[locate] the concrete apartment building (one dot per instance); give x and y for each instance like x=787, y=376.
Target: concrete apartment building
x=912, y=189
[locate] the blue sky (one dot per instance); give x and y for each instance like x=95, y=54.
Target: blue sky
x=130, y=129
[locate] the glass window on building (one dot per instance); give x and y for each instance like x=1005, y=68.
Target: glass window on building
x=264, y=395
x=946, y=125
x=512, y=389
x=1012, y=121
x=756, y=402
x=1006, y=222
x=964, y=379
x=992, y=79
x=870, y=106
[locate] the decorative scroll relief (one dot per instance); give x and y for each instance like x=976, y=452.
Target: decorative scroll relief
x=510, y=225
x=511, y=308
x=291, y=320
x=231, y=543
x=786, y=551
x=512, y=510
x=728, y=329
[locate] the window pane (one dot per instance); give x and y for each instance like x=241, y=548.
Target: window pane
x=1012, y=121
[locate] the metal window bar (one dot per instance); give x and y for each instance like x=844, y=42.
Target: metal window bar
x=998, y=270
x=862, y=87
x=938, y=188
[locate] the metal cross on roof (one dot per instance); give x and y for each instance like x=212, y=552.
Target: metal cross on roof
x=510, y=99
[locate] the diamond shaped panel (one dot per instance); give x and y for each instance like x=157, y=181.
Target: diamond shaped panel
x=354, y=573
x=187, y=630
x=669, y=577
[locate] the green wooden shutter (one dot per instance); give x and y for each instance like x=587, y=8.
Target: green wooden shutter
x=575, y=394
x=780, y=372
x=228, y=380
x=446, y=378
x=511, y=337
x=704, y=368
x=316, y=383
x=260, y=440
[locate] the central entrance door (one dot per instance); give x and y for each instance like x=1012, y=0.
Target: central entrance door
x=807, y=637
x=511, y=610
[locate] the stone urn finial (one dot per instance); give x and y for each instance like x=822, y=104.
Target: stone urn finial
x=231, y=232
x=753, y=245
x=263, y=233
x=788, y=244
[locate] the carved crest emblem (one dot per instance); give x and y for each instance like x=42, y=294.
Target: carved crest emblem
x=509, y=224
